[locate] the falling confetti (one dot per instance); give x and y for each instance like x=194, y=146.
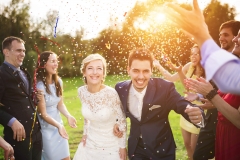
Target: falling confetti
x=107, y=45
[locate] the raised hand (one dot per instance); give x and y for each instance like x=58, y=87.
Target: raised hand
x=192, y=21
x=190, y=96
x=175, y=68
x=199, y=86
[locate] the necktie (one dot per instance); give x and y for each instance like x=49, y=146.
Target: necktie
x=24, y=79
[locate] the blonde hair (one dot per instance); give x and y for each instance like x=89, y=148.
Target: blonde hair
x=91, y=58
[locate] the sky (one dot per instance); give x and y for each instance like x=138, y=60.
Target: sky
x=92, y=15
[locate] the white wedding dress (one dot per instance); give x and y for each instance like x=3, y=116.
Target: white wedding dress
x=101, y=111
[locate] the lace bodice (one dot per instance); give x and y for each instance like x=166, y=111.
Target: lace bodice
x=101, y=111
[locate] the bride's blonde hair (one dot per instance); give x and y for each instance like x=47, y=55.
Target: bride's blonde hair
x=91, y=58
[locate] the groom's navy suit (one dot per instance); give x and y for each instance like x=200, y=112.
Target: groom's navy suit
x=154, y=128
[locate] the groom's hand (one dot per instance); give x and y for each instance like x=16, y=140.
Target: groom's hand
x=194, y=113
x=117, y=132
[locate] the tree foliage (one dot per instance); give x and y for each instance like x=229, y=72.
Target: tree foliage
x=141, y=28
x=215, y=14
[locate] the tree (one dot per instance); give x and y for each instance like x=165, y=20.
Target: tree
x=215, y=14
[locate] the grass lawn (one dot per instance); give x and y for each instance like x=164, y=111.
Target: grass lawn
x=74, y=106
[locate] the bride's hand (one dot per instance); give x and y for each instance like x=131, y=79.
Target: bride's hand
x=83, y=140
x=123, y=153
x=117, y=132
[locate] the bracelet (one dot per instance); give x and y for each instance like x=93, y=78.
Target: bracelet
x=211, y=94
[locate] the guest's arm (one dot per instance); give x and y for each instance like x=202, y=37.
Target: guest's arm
x=204, y=87
x=41, y=107
x=63, y=109
x=175, y=76
x=231, y=113
x=8, y=149
x=214, y=59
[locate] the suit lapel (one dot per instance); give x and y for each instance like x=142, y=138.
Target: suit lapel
x=16, y=76
x=148, y=99
x=125, y=94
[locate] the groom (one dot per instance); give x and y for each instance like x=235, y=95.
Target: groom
x=147, y=102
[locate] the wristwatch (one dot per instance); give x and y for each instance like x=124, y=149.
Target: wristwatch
x=211, y=94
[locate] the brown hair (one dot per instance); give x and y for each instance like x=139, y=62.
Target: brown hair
x=7, y=42
x=234, y=25
x=140, y=54
x=42, y=73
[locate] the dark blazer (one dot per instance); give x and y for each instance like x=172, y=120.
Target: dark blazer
x=154, y=125
x=17, y=102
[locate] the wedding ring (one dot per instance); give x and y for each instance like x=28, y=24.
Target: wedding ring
x=197, y=117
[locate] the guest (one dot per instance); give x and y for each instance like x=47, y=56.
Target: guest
x=228, y=82
x=228, y=127
x=17, y=113
x=192, y=69
x=50, y=105
x=205, y=148
x=101, y=109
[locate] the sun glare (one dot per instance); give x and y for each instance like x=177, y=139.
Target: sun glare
x=160, y=18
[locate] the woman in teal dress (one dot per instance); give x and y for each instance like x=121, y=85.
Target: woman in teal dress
x=50, y=105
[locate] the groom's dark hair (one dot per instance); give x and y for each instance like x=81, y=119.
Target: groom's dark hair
x=140, y=54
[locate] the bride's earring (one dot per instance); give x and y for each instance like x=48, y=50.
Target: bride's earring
x=85, y=79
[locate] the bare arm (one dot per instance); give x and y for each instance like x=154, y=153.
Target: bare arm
x=204, y=87
x=63, y=109
x=232, y=114
x=43, y=113
x=168, y=76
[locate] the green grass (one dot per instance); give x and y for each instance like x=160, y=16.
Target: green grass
x=74, y=106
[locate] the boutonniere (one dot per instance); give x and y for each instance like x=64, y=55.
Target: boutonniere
x=154, y=107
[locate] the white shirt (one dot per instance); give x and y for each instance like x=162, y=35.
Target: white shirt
x=135, y=102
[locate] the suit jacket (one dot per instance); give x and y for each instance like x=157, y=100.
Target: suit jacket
x=17, y=102
x=154, y=125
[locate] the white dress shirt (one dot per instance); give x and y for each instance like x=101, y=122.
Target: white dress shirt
x=135, y=102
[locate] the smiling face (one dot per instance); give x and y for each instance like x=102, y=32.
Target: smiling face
x=225, y=39
x=195, y=56
x=52, y=64
x=15, y=55
x=140, y=72
x=236, y=41
x=94, y=72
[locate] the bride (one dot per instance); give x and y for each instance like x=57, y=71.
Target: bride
x=101, y=109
